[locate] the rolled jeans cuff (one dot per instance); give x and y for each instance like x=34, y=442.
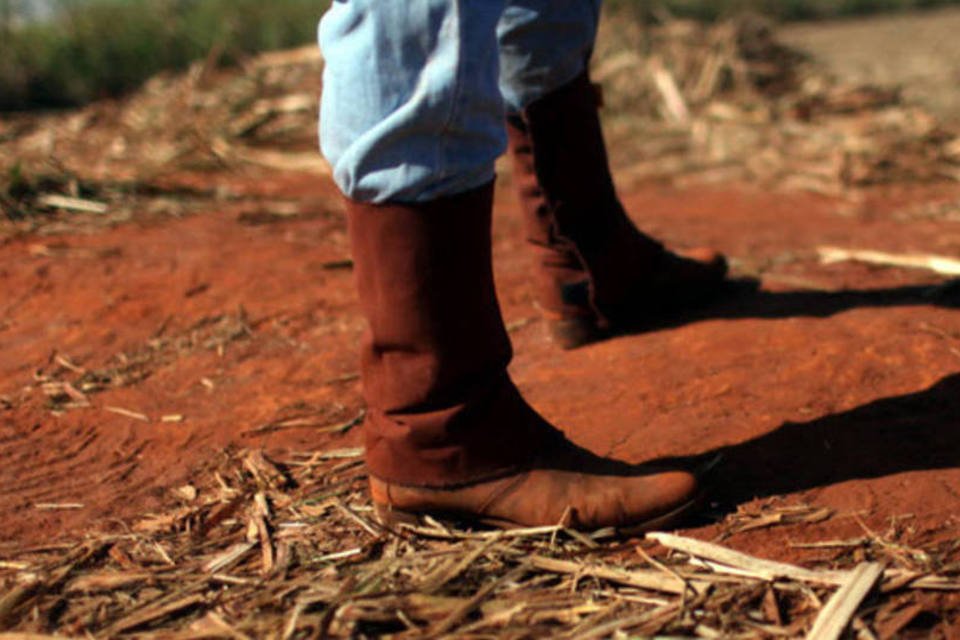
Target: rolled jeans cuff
x=415, y=91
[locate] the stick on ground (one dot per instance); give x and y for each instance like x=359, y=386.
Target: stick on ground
x=939, y=264
x=841, y=608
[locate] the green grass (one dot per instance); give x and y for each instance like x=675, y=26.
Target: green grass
x=100, y=48
x=97, y=48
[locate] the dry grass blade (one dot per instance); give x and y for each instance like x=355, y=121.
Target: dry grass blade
x=891, y=627
x=254, y=548
x=835, y=617
x=152, y=614
x=14, y=599
x=106, y=582
x=435, y=581
x=621, y=626
x=363, y=524
x=765, y=569
x=462, y=611
x=652, y=580
x=943, y=265
x=58, y=506
x=900, y=580
x=266, y=545
x=72, y=204
x=265, y=471
x=229, y=557
x=127, y=413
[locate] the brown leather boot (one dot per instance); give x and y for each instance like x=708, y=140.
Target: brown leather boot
x=446, y=429
x=597, y=274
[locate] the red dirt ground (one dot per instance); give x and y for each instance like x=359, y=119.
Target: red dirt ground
x=834, y=386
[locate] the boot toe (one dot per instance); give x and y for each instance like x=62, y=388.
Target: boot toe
x=641, y=503
x=696, y=268
x=705, y=256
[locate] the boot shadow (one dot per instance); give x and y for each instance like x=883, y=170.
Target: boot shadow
x=912, y=432
x=821, y=304
x=742, y=299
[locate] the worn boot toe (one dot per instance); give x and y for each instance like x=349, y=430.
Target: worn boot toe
x=641, y=499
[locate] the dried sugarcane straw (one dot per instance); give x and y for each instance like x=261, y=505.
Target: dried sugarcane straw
x=258, y=547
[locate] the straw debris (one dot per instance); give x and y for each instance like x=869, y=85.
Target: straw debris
x=687, y=103
x=68, y=386
x=255, y=547
x=693, y=102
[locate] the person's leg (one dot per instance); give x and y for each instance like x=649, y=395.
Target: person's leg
x=410, y=109
x=411, y=116
x=412, y=122
x=595, y=272
x=544, y=45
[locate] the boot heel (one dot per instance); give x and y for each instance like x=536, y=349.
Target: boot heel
x=570, y=333
x=389, y=516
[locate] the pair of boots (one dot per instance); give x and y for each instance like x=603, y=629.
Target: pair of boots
x=447, y=432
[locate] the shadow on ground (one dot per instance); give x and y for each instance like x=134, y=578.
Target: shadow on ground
x=743, y=299
x=748, y=302
x=917, y=431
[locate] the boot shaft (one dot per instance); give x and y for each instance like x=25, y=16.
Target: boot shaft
x=587, y=249
x=441, y=409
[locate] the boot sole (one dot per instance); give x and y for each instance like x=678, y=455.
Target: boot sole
x=392, y=517
x=570, y=333
x=574, y=332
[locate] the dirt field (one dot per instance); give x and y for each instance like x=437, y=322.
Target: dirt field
x=835, y=385
x=132, y=354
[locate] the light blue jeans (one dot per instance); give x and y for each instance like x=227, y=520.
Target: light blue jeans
x=415, y=91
